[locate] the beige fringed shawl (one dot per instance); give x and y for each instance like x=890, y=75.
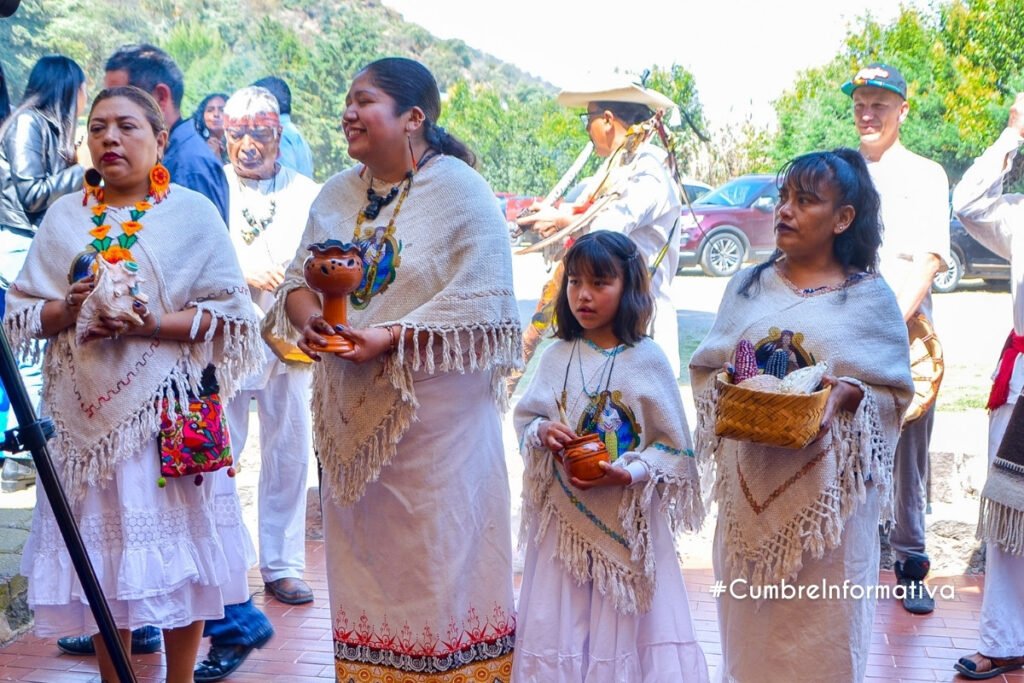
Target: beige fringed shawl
x=776, y=503
x=604, y=533
x=105, y=395
x=454, y=283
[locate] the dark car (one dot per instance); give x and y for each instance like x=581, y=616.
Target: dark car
x=733, y=223
x=969, y=259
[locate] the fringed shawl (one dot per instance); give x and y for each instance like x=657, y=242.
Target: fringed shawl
x=776, y=503
x=454, y=283
x=105, y=395
x=1002, y=500
x=604, y=533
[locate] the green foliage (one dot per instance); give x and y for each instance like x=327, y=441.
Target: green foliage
x=963, y=62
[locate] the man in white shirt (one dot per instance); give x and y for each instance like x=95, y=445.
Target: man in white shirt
x=915, y=243
x=997, y=221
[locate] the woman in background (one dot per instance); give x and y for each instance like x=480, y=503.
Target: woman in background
x=209, y=122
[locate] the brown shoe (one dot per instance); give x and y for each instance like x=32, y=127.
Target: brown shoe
x=290, y=590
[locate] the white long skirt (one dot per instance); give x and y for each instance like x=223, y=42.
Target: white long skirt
x=157, y=553
x=570, y=633
x=803, y=640
x=420, y=568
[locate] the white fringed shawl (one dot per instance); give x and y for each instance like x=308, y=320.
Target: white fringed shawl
x=454, y=283
x=604, y=533
x=105, y=395
x=778, y=503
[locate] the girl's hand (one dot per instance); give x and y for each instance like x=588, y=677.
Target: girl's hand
x=554, y=436
x=844, y=396
x=613, y=476
x=367, y=343
x=108, y=328
x=314, y=335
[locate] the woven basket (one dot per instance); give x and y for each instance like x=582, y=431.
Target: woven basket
x=767, y=417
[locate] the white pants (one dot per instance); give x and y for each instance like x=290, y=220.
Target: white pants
x=285, y=447
x=1001, y=632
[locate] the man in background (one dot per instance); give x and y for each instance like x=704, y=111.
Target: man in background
x=915, y=243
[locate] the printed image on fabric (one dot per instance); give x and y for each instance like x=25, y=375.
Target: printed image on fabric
x=607, y=416
x=473, y=641
x=497, y=670
x=783, y=340
x=381, y=254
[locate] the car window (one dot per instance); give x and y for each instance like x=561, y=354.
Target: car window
x=737, y=192
x=695, y=192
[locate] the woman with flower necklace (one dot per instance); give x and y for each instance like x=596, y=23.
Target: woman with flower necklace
x=406, y=423
x=111, y=383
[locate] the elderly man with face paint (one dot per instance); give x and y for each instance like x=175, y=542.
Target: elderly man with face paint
x=915, y=242
x=269, y=205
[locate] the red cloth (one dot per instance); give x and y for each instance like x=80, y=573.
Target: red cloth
x=1013, y=347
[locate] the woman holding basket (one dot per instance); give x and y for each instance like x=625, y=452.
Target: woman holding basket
x=808, y=516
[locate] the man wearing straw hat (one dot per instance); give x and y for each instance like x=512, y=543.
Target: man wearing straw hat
x=633, y=192
x=997, y=221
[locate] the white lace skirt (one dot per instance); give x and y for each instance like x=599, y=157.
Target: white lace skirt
x=570, y=633
x=157, y=553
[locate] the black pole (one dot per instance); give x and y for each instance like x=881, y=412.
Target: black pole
x=30, y=436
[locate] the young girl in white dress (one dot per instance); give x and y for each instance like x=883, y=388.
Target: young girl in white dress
x=603, y=597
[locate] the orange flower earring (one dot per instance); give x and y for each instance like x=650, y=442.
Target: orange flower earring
x=159, y=182
x=91, y=186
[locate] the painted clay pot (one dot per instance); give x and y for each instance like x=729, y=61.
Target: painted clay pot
x=334, y=269
x=581, y=457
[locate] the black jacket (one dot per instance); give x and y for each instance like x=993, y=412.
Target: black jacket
x=33, y=174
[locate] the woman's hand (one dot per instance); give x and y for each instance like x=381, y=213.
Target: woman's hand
x=554, y=436
x=367, y=343
x=613, y=476
x=77, y=294
x=109, y=328
x=314, y=335
x=844, y=396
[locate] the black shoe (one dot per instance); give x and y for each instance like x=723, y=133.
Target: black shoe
x=145, y=641
x=222, y=660
x=910, y=574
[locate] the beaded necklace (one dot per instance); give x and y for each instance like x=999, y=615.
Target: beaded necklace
x=609, y=365
x=359, y=235
x=257, y=226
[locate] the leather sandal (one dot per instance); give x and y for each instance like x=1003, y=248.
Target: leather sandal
x=978, y=667
x=290, y=590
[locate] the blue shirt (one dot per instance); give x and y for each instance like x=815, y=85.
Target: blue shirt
x=294, y=152
x=192, y=164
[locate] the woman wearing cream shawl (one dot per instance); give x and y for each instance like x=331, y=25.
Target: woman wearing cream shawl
x=158, y=554
x=406, y=425
x=808, y=516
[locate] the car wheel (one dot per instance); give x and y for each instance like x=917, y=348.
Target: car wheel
x=723, y=254
x=947, y=282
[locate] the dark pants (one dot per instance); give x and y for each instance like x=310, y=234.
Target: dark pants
x=243, y=624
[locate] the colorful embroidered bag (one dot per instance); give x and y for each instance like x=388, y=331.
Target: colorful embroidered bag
x=195, y=441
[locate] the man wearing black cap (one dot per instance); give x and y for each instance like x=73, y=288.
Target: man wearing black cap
x=915, y=217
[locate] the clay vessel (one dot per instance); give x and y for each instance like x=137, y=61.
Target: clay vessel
x=581, y=457
x=334, y=269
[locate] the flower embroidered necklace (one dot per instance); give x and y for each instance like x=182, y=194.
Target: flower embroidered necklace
x=114, y=251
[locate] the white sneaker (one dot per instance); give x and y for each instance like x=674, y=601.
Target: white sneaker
x=17, y=475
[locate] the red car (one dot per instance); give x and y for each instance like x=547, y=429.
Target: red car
x=734, y=223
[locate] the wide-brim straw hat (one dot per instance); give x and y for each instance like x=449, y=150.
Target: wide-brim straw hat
x=618, y=92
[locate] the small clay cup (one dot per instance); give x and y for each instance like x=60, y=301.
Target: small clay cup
x=334, y=269
x=581, y=457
